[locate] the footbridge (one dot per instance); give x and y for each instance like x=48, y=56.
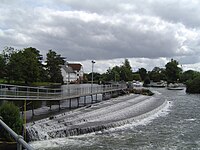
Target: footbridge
x=66, y=92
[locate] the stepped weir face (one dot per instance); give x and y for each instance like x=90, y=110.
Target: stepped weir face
x=97, y=117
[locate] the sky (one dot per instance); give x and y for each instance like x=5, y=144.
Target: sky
x=148, y=33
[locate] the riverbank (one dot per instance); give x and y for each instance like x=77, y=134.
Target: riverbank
x=96, y=117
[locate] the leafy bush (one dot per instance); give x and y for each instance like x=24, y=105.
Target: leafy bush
x=193, y=86
x=142, y=91
x=11, y=116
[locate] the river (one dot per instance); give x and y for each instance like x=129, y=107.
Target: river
x=176, y=127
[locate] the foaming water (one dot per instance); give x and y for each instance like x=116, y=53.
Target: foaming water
x=90, y=140
x=175, y=127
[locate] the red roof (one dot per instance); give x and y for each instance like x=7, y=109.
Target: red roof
x=75, y=67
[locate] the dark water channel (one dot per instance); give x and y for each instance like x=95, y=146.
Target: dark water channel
x=177, y=128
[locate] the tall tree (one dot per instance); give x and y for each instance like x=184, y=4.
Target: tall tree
x=126, y=73
x=189, y=75
x=172, y=71
x=31, y=65
x=14, y=68
x=54, y=62
x=24, y=65
x=143, y=73
x=2, y=66
x=157, y=74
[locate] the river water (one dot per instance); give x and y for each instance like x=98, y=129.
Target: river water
x=176, y=127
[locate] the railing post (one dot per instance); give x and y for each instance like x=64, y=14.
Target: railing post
x=18, y=138
x=38, y=93
x=1, y=91
x=19, y=146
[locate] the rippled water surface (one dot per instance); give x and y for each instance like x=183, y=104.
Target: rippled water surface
x=175, y=128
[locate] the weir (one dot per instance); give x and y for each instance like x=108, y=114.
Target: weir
x=97, y=117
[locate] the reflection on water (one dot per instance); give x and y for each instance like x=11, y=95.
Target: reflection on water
x=179, y=129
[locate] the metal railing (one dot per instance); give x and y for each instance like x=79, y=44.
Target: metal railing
x=18, y=138
x=39, y=93
x=27, y=92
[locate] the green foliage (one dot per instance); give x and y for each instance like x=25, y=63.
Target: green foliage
x=11, y=116
x=119, y=73
x=188, y=75
x=143, y=73
x=142, y=91
x=172, y=71
x=2, y=66
x=136, y=77
x=96, y=77
x=157, y=74
x=54, y=62
x=24, y=65
x=193, y=86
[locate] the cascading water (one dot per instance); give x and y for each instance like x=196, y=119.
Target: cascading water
x=100, y=116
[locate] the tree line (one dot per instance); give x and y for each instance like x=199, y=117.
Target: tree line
x=172, y=73
x=26, y=66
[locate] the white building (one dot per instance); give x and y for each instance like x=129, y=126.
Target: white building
x=72, y=73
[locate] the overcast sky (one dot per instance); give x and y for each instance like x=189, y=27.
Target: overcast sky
x=147, y=32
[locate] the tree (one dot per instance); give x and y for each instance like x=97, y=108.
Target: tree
x=96, y=76
x=7, y=52
x=119, y=73
x=24, y=65
x=54, y=62
x=157, y=74
x=136, y=76
x=143, y=73
x=31, y=65
x=11, y=116
x=14, y=66
x=193, y=86
x=188, y=75
x=172, y=71
x=2, y=66
x=125, y=72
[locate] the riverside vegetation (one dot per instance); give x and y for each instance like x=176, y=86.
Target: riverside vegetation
x=27, y=67
x=11, y=116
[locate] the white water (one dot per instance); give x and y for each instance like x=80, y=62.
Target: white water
x=100, y=116
x=76, y=140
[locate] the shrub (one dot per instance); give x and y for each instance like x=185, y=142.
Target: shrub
x=142, y=91
x=11, y=116
x=193, y=86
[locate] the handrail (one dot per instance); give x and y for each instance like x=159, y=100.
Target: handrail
x=18, y=138
x=37, y=93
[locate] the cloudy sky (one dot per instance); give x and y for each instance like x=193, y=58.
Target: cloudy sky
x=147, y=32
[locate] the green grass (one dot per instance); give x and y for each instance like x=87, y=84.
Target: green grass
x=3, y=81
x=44, y=84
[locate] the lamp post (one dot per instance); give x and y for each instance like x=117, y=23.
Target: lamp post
x=93, y=62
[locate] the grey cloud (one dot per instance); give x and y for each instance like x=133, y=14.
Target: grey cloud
x=113, y=29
